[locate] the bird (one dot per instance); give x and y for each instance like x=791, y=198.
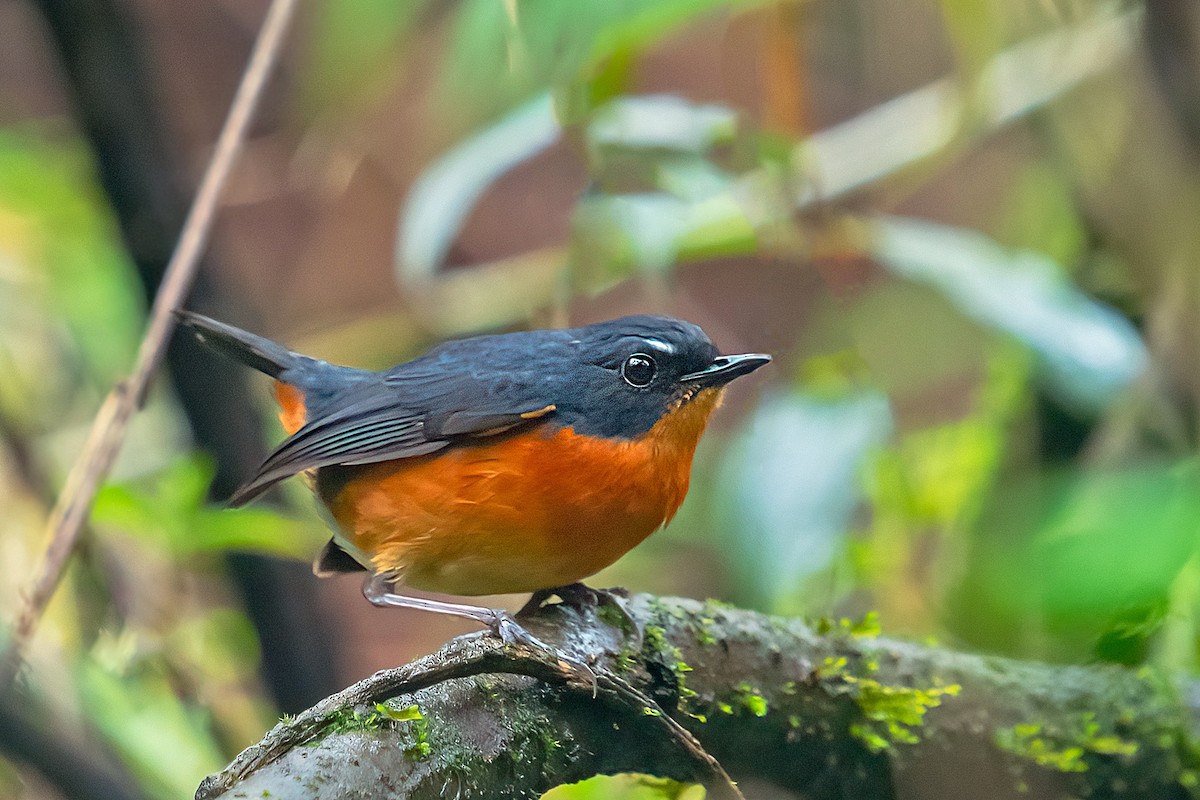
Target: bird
x=505, y=463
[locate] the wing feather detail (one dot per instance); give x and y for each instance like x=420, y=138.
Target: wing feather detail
x=378, y=425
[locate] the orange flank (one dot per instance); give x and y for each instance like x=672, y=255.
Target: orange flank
x=292, y=413
x=545, y=507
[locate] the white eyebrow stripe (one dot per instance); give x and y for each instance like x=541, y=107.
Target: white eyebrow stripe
x=660, y=345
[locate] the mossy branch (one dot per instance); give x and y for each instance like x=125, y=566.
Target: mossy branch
x=830, y=711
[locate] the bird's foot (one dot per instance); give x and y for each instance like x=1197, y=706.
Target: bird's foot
x=504, y=627
x=512, y=633
x=609, y=605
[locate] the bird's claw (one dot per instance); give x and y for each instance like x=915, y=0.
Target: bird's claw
x=581, y=597
x=584, y=598
x=512, y=633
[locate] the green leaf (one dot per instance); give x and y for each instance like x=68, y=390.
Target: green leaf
x=626, y=786
x=444, y=194
x=170, y=509
x=661, y=122
x=1089, y=559
x=1088, y=352
x=251, y=530
x=647, y=23
x=1040, y=213
x=1080, y=556
x=654, y=231
x=975, y=30
x=221, y=643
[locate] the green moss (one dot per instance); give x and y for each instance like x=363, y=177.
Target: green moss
x=420, y=748
x=891, y=712
x=865, y=628
x=536, y=743
x=383, y=716
x=832, y=668
x=751, y=699
x=625, y=660
x=1063, y=749
x=626, y=786
x=1027, y=742
x=662, y=610
x=349, y=720
x=867, y=735
x=654, y=638
x=668, y=655
x=894, y=711
x=614, y=616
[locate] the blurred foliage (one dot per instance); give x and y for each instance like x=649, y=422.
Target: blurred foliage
x=785, y=511
x=577, y=48
x=356, y=55
x=982, y=426
x=139, y=645
x=170, y=510
x=438, y=204
x=1089, y=352
x=67, y=295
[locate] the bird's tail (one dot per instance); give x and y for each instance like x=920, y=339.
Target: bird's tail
x=254, y=351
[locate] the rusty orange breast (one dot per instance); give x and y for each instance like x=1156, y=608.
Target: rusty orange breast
x=539, y=509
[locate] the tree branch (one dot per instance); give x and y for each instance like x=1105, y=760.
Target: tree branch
x=829, y=715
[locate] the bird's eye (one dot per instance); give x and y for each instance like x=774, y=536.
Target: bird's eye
x=638, y=370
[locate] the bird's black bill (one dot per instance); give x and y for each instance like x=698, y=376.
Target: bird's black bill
x=726, y=368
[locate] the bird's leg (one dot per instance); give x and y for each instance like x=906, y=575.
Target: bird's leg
x=377, y=589
x=576, y=595
x=538, y=600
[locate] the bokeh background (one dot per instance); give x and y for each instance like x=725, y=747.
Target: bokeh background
x=968, y=230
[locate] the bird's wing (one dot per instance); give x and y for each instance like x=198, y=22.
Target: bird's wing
x=381, y=421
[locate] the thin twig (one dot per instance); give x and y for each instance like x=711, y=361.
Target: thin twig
x=108, y=431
